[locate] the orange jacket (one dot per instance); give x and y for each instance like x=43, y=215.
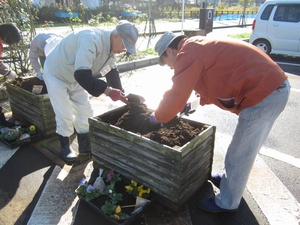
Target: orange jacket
x=231, y=74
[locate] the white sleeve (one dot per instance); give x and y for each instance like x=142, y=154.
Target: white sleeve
x=34, y=56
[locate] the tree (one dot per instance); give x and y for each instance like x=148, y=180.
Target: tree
x=20, y=13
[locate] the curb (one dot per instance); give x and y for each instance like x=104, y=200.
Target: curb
x=141, y=63
x=137, y=64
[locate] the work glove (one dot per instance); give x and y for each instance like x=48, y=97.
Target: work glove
x=12, y=75
x=153, y=119
x=39, y=75
x=116, y=94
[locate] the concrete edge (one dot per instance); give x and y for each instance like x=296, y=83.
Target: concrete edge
x=137, y=64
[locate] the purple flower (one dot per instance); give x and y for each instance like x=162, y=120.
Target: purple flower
x=110, y=175
x=82, y=182
x=89, y=188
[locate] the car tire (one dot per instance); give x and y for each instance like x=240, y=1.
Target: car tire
x=263, y=45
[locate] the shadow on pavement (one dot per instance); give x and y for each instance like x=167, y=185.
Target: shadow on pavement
x=199, y=217
x=21, y=184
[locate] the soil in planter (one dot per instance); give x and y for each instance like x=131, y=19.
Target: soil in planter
x=177, y=132
x=27, y=84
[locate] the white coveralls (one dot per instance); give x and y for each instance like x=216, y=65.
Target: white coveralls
x=37, y=48
x=80, y=50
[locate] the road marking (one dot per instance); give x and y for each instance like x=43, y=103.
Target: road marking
x=291, y=160
x=276, y=202
x=287, y=63
x=5, y=154
x=294, y=89
x=58, y=203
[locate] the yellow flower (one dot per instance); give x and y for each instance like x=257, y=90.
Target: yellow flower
x=116, y=217
x=140, y=187
x=129, y=188
x=142, y=191
x=118, y=209
x=134, y=183
x=32, y=128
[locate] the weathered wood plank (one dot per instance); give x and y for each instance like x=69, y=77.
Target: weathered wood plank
x=104, y=138
x=173, y=174
x=132, y=173
x=137, y=139
x=33, y=109
x=130, y=157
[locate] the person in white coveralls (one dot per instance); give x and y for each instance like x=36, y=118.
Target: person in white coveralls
x=69, y=74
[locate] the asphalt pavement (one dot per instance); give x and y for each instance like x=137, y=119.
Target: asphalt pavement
x=37, y=187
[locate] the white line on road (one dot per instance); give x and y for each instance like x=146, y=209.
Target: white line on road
x=276, y=202
x=294, y=89
x=287, y=63
x=280, y=156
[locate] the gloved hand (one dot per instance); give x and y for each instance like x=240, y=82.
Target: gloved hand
x=116, y=94
x=153, y=119
x=39, y=75
x=12, y=75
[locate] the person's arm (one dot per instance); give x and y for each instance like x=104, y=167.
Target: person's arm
x=113, y=79
x=4, y=69
x=96, y=86
x=187, y=72
x=34, y=56
x=92, y=85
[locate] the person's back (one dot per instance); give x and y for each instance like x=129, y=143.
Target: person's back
x=249, y=73
x=71, y=53
x=37, y=54
x=38, y=44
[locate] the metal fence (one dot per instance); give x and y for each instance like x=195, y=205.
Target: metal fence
x=218, y=15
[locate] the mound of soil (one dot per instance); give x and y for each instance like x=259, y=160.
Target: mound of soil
x=177, y=132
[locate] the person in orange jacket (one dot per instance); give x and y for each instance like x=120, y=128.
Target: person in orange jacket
x=237, y=77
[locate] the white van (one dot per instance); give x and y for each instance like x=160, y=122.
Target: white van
x=276, y=27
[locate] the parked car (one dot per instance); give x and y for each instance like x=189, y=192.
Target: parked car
x=276, y=27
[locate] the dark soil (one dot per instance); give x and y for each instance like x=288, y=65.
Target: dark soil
x=177, y=132
x=27, y=84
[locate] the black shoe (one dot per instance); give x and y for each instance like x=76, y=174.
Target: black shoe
x=209, y=205
x=216, y=179
x=84, y=143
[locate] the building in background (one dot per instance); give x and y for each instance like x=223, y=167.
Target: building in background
x=97, y=3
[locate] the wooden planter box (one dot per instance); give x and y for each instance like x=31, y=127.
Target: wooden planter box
x=31, y=108
x=173, y=174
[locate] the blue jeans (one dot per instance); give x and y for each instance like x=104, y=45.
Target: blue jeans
x=254, y=125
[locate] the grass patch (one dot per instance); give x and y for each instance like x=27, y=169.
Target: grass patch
x=240, y=36
x=140, y=55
